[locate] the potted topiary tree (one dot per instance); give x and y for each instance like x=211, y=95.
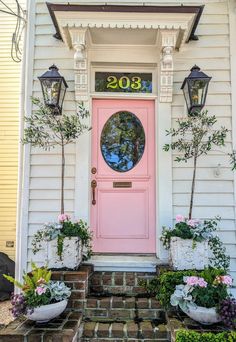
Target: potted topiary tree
x=193, y=138
x=46, y=130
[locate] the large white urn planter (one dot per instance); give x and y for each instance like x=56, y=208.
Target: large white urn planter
x=45, y=313
x=71, y=255
x=203, y=315
x=184, y=255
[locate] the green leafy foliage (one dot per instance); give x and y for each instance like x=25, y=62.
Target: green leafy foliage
x=194, y=137
x=31, y=279
x=44, y=129
x=193, y=336
x=34, y=300
x=163, y=286
x=209, y=296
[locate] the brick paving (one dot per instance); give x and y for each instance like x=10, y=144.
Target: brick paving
x=61, y=329
x=118, y=309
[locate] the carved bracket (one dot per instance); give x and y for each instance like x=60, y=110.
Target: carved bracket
x=78, y=39
x=168, y=43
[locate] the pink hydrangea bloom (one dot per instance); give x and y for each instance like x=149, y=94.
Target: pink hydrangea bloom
x=202, y=282
x=192, y=222
x=180, y=218
x=40, y=290
x=192, y=280
x=63, y=217
x=196, y=281
x=227, y=280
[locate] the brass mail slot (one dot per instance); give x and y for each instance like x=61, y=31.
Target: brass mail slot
x=122, y=184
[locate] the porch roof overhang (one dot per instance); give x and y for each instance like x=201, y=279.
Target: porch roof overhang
x=100, y=19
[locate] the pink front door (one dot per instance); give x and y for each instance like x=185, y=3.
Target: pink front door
x=123, y=176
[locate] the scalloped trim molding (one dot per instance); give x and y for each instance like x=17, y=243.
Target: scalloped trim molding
x=172, y=31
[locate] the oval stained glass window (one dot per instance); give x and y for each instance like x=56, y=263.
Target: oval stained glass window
x=122, y=141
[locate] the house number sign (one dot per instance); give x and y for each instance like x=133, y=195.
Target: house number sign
x=123, y=82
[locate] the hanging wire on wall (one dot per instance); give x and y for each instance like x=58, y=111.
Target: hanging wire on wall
x=20, y=14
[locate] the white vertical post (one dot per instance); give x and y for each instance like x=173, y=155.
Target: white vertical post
x=22, y=225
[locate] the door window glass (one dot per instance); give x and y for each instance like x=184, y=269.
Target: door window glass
x=122, y=141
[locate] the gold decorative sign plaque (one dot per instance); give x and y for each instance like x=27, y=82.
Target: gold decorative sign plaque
x=123, y=82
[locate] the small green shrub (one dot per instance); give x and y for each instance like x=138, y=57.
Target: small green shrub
x=164, y=285
x=193, y=336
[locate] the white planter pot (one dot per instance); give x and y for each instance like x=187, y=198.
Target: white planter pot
x=71, y=254
x=204, y=315
x=45, y=313
x=184, y=257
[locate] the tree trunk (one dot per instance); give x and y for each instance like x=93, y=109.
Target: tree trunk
x=193, y=186
x=62, y=176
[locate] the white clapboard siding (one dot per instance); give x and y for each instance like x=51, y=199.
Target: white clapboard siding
x=214, y=195
x=224, y=200
x=206, y=187
x=51, y=194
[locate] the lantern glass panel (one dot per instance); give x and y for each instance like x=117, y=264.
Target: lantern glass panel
x=186, y=95
x=62, y=94
x=197, y=92
x=51, y=91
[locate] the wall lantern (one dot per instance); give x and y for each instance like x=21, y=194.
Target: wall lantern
x=54, y=89
x=195, y=88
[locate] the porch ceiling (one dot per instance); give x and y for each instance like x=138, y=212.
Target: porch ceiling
x=106, y=24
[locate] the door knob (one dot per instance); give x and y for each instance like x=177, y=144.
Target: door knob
x=93, y=186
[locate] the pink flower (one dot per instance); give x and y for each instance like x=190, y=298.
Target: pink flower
x=192, y=281
x=192, y=222
x=195, y=281
x=40, y=290
x=180, y=218
x=63, y=217
x=202, y=282
x=227, y=280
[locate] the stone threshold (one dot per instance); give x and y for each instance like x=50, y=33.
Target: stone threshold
x=126, y=262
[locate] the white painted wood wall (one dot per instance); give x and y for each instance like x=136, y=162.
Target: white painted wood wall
x=214, y=196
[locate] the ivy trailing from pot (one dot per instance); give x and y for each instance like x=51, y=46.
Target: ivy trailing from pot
x=61, y=231
x=198, y=231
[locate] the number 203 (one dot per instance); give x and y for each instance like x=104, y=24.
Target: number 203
x=124, y=82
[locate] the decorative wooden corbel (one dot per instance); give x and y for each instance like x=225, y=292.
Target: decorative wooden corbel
x=78, y=38
x=168, y=43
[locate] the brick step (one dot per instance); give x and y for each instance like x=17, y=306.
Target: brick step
x=146, y=330
x=119, y=283
x=115, y=307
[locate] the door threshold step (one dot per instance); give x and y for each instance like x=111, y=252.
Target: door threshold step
x=126, y=263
